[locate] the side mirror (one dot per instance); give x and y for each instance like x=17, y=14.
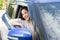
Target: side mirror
x=20, y=34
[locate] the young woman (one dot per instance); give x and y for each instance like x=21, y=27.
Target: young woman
x=25, y=22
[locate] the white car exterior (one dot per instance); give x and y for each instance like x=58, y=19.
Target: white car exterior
x=3, y=28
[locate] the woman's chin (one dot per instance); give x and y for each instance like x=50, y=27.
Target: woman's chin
x=27, y=19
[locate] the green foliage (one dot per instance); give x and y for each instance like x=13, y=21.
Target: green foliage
x=1, y=4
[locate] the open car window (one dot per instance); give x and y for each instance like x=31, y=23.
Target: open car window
x=12, y=10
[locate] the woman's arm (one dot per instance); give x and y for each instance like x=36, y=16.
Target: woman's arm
x=13, y=22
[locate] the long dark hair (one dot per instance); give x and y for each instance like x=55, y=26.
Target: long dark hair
x=21, y=16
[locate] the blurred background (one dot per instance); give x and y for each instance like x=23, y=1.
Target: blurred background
x=4, y=4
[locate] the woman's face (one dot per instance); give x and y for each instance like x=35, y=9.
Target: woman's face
x=25, y=14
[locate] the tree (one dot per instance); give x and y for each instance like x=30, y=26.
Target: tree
x=1, y=4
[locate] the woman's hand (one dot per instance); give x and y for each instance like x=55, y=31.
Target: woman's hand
x=16, y=23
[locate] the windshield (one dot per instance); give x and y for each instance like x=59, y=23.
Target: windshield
x=48, y=15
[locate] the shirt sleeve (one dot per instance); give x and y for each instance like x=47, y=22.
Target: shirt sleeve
x=16, y=20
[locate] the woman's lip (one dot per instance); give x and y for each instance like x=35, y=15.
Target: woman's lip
x=27, y=18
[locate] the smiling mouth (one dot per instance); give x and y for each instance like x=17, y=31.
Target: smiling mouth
x=27, y=18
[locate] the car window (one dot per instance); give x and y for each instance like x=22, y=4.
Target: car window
x=12, y=10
